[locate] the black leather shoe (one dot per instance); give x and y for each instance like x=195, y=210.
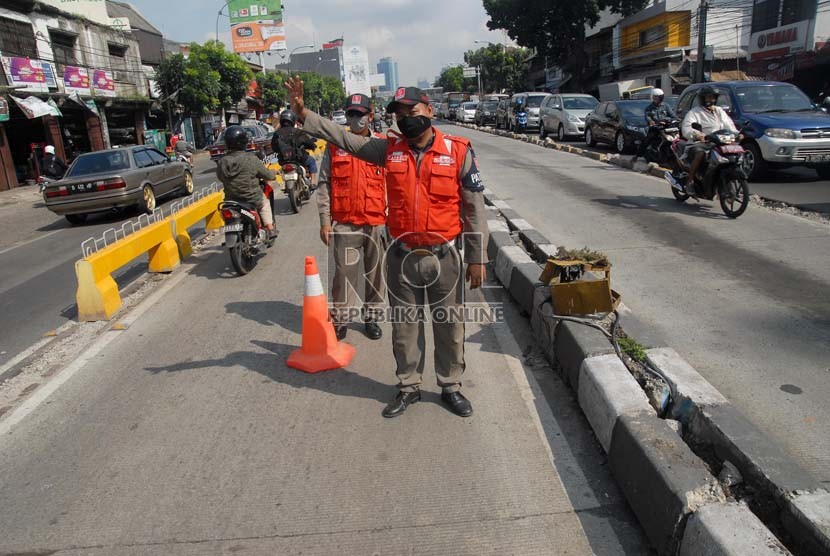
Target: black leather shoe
x=340, y=331
x=457, y=403
x=400, y=403
x=373, y=331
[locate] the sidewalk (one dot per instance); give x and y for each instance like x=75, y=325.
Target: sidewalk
x=189, y=435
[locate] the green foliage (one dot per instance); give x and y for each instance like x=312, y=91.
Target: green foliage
x=555, y=28
x=234, y=73
x=632, y=348
x=502, y=68
x=274, y=92
x=451, y=79
x=323, y=93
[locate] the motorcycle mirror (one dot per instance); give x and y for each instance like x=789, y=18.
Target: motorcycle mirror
x=697, y=127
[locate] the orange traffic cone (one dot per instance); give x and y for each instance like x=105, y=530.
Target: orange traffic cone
x=321, y=351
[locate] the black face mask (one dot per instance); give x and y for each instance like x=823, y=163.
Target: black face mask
x=414, y=126
x=709, y=102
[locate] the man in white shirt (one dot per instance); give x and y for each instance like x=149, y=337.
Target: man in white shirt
x=711, y=118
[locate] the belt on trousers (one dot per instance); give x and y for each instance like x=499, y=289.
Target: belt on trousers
x=424, y=250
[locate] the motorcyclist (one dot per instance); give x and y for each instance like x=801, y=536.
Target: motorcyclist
x=656, y=113
x=291, y=144
x=185, y=149
x=240, y=172
x=53, y=167
x=711, y=118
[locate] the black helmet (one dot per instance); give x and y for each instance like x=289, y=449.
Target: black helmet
x=236, y=138
x=706, y=91
x=288, y=117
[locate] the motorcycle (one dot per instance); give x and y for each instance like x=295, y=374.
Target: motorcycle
x=245, y=235
x=722, y=173
x=521, y=121
x=660, y=140
x=296, y=185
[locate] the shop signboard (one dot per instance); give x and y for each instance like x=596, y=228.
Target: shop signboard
x=25, y=74
x=4, y=110
x=246, y=11
x=103, y=83
x=258, y=36
x=76, y=80
x=780, y=41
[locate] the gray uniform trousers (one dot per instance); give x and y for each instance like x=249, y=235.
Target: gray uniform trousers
x=350, y=241
x=416, y=281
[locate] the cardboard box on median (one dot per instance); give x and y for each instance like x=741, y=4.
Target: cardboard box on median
x=588, y=294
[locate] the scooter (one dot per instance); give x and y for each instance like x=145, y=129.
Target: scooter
x=245, y=234
x=722, y=174
x=296, y=184
x=521, y=121
x=660, y=141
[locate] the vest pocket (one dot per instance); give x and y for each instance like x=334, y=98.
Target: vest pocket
x=444, y=199
x=375, y=197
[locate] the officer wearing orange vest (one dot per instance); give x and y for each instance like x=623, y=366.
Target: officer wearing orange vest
x=351, y=195
x=434, y=194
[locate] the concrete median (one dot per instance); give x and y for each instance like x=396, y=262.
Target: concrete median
x=206, y=209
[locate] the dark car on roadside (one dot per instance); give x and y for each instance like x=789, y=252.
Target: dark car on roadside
x=502, y=110
x=620, y=123
x=259, y=142
x=486, y=113
x=105, y=181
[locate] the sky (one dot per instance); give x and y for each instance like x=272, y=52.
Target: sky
x=422, y=36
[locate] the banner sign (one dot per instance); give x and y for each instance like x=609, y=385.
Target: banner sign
x=103, y=83
x=780, y=41
x=246, y=11
x=76, y=80
x=4, y=110
x=356, y=64
x=258, y=36
x=25, y=73
x=33, y=107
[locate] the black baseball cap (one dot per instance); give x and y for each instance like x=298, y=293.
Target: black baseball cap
x=359, y=103
x=408, y=96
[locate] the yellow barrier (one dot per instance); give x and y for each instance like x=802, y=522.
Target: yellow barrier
x=207, y=209
x=97, y=295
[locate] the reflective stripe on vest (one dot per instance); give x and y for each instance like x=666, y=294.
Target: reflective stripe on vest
x=425, y=204
x=358, y=190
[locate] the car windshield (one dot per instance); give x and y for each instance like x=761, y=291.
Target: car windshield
x=634, y=109
x=489, y=105
x=579, y=103
x=454, y=104
x=339, y=113
x=251, y=133
x=772, y=98
x=470, y=105
x=100, y=162
x=535, y=101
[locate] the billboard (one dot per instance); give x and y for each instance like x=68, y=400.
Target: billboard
x=356, y=69
x=76, y=80
x=258, y=36
x=26, y=74
x=780, y=41
x=103, y=83
x=246, y=11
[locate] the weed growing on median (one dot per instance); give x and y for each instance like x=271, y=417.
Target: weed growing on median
x=632, y=348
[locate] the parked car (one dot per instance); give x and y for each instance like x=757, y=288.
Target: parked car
x=339, y=117
x=532, y=101
x=260, y=143
x=486, y=113
x=621, y=123
x=565, y=115
x=782, y=127
x=452, y=108
x=117, y=178
x=466, y=112
x=502, y=111
x=437, y=108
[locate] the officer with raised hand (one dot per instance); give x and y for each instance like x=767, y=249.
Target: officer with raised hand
x=351, y=199
x=435, y=196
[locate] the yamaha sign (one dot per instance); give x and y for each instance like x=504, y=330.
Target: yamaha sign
x=779, y=41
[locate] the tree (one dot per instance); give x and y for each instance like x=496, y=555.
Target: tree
x=451, y=79
x=502, y=68
x=274, y=92
x=234, y=73
x=195, y=85
x=555, y=28
x=324, y=93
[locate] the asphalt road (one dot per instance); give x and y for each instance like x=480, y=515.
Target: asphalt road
x=797, y=186
x=38, y=250
x=744, y=301
x=186, y=434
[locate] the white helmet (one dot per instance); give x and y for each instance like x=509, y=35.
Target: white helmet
x=49, y=149
x=655, y=93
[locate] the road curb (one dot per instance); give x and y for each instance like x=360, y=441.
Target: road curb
x=665, y=486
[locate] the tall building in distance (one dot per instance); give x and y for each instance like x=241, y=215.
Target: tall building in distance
x=389, y=68
x=423, y=83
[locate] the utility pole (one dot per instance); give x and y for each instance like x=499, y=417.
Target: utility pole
x=738, y=51
x=701, y=40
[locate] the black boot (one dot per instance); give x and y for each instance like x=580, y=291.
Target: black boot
x=457, y=403
x=373, y=331
x=400, y=403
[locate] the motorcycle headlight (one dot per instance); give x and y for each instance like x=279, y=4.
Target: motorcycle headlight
x=780, y=133
x=574, y=119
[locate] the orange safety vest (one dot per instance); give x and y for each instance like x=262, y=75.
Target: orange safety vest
x=425, y=203
x=358, y=189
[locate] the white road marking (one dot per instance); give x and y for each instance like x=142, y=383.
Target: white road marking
x=14, y=246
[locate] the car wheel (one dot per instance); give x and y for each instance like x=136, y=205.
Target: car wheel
x=147, y=203
x=823, y=172
x=560, y=133
x=754, y=164
x=542, y=132
x=75, y=219
x=187, y=187
x=589, y=137
x=620, y=143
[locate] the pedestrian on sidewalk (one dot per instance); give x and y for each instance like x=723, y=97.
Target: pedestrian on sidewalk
x=435, y=196
x=351, y=199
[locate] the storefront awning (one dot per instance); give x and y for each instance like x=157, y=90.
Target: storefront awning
x=33, y=107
